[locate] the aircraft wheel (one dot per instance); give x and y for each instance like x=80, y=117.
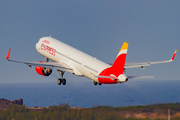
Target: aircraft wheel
x=59, y=81
x=100, y=83
x=64, y=81
x=95, y=83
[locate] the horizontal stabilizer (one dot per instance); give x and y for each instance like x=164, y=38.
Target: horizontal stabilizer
x=139, y=77
x=111, y=77
x=129, y=77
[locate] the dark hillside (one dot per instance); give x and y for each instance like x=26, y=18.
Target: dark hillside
x=4, y=103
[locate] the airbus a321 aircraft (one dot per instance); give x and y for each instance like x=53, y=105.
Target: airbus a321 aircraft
x=69, y=59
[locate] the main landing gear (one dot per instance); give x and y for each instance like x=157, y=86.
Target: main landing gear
x=61, y=80
x=95, y=83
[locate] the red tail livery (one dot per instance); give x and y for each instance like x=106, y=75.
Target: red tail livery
x=114, y=74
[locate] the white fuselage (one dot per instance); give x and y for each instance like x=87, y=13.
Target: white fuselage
x=82, y=63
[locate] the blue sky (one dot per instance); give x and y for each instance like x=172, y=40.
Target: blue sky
x=98, y=28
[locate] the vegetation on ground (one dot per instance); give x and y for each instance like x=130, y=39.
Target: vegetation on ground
x=65, y=112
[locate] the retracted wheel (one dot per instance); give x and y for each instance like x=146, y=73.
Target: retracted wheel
x=59, y=81
x=64, y=81
x=95, y=83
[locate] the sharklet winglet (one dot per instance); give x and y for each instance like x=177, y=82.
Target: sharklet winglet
x=174, y=55
x=7, y=57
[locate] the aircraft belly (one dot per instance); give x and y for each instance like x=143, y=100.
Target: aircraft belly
x=89, y=74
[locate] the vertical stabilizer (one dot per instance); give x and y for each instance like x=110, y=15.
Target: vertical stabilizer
x=116, y=70
x=118, y=65
x=123, y=49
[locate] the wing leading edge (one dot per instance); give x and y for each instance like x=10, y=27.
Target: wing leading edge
x=143, y=64
x=60, y=65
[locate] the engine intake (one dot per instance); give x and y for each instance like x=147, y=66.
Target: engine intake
x=43, y=70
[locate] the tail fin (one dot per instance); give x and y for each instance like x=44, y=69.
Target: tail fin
x=123, y=49
x=118, y=65
x=115, y=72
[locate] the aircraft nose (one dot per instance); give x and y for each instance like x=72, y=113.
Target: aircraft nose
x=37, y=46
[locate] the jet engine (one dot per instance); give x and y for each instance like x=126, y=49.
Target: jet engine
x=43, y=70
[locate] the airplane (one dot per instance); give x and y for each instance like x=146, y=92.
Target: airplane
x=68, y=59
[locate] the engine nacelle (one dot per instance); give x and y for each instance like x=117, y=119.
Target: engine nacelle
x=122, y=78
x=43, y=71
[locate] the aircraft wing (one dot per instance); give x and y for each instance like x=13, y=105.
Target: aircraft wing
x=60, y=65
x=143, y=64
